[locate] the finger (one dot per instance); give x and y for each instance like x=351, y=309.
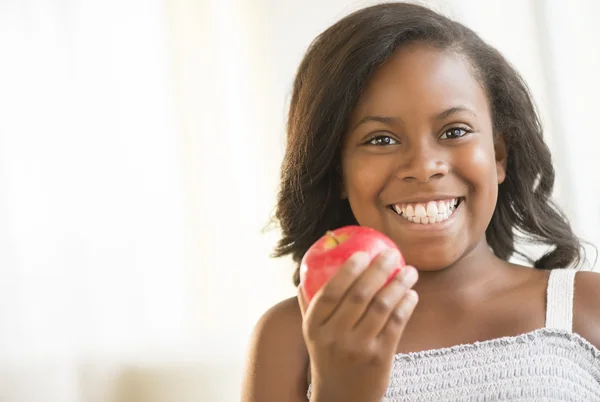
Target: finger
x=385, y=301
x=359, y=296
x=326, y=300
x=396, y=323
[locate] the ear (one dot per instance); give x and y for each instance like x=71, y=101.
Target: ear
x=501, y=152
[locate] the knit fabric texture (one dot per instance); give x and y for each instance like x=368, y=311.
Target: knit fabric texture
x=548, y=364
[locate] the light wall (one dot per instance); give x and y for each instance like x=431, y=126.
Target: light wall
x=140, y=144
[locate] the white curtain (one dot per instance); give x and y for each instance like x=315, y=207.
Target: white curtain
x=93, y=233
x=140, y=143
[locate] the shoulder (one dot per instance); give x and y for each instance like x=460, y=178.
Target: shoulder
x=281, y=327
x=586, y=309
x=286, y=312
x=277, y=361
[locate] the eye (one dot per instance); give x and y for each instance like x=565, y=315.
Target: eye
x=382, y=140
x=455, y=132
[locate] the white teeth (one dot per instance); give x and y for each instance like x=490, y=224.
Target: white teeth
x=420, y=211
x=432, y=209
x=429, y=213
x=442, y=207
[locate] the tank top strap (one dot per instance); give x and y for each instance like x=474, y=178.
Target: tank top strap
x=559, y=299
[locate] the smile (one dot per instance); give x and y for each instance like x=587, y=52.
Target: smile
x=427, y=213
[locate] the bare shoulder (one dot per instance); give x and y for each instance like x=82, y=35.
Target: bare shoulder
x=277, y=361
x=586, y=315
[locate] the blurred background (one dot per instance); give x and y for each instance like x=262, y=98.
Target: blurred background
x=140, y=143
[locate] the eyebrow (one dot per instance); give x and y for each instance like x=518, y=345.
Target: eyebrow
x=389, y=120
x=380, y=119
x=454, y=110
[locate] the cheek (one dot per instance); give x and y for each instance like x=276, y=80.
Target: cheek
x=482, y=155
x=365, y=177
x=481, y=172
x=479, y=159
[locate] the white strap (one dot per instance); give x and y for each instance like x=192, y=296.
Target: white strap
x=559, y=299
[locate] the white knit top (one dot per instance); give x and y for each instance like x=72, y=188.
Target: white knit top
x=548, y=364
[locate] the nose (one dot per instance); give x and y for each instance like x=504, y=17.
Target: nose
x=422, y=163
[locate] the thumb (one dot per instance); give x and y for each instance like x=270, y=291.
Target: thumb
x=302, y=300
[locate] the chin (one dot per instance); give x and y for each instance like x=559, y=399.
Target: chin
x=429, y=265
x=434, y=260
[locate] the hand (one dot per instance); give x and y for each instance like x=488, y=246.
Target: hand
x=353, y=325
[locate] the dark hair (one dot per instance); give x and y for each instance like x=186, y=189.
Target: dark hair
x=328, y=83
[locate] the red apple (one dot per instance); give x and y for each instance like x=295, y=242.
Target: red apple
x=332, y=250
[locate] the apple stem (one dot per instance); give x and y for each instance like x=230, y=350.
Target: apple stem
x=332, y=235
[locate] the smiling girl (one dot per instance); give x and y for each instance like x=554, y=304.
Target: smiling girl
x=407, y=122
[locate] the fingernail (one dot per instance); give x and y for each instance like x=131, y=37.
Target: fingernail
x=409, y=276
x=359, y=260
x=412, y=296
x=390, y=256
x=359, y=256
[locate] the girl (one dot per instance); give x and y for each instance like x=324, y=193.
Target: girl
x=407, y=122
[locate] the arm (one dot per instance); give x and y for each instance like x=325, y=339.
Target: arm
x=277, y=362
x=351, y=328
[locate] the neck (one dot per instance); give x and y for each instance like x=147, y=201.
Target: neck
x=464, y=280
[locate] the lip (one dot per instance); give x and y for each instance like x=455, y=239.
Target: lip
x=430, y=227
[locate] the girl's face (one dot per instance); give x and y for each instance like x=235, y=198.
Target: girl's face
x=419, y=161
